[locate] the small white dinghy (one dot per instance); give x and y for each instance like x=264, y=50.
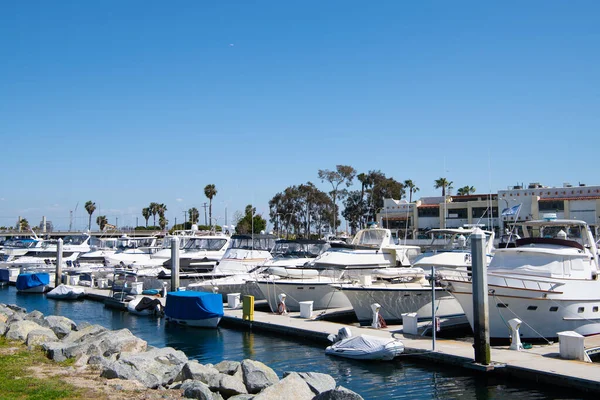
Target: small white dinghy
x=363, y=347
x=65, y=292
x=145, y=306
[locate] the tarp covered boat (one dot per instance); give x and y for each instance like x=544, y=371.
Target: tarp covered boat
x=145, y=306
x=33, y=282
x=364, y=347
x=193, y=308
x=66, y=292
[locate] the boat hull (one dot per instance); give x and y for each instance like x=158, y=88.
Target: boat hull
x=322, y=294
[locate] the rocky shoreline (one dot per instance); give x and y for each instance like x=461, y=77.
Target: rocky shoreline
x=121, y=355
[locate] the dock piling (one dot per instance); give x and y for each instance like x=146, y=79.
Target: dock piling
x=59, y=254
x=174, y=264
x=481, y=330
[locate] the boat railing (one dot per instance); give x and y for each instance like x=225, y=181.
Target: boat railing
x=508, y=281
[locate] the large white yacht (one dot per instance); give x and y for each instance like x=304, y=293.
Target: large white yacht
x=548, y=280
x=44, y=254
x=371, y=249
x=241, y=262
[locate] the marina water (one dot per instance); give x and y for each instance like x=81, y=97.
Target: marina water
x=403, y=378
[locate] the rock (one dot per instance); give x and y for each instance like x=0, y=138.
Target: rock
x=198, y=372
x=317, y=382
x=35, y=316
x=242, y=397
x=257, y=376
x=14, y=317
x=230, y=385
x=61, y=326
x=339, y=393
x=18, y=330
x=39, y=336
x=17, y=309
x=290, y=387
x=3, y=327
x=228, y=367
x=94, y=341
x=154, y=368
x=217, y=396
x=83, y=325
x=196, y=390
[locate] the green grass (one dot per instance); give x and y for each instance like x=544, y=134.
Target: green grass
x=17, y=382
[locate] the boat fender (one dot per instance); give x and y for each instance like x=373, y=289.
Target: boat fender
x=381, y=321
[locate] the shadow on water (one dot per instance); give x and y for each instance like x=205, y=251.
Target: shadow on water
x=403, y=378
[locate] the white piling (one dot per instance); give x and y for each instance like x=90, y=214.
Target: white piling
x=174, y=263
x=433, y=321
x=481, y=325
x=59, y=254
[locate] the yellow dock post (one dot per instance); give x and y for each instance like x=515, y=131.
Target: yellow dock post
x=248, y=308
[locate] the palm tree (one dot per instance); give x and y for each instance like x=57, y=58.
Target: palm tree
x=210, y=191
x=162, y=209
x=101, y=221
x=90, y=207
x=444, y=184
x=465, y=190
x=153, y=210
x=162, y=221
x=146, y=214
x=194, y=215
x=23, y=224
x=412, y=188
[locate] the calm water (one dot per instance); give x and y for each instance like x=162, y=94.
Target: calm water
x=400, y=379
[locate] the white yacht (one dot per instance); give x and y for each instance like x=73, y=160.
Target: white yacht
x=548, y=280
x=44, y=255
x=199, y=253
x=241, y=262
x=371, y=249
x=133, y=251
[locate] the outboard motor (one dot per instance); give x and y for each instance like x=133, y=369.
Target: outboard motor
x=343, y=333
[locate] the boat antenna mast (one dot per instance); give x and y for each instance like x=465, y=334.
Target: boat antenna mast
x=71, y=217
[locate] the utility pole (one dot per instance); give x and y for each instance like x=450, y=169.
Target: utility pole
x=184, y=218
x=205, y=205
x=117, y=223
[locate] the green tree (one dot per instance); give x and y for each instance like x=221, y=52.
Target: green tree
x=342, y=174
x=412, y=188
x=23, y=224
x=101, y=221
x=210, y=191
x=444, y=184
x=465, y=190
x=162, y=222
x=90, y=207
x=162, y=209
x=194, y=215
x=354, y=210
x=251, y=222
x=381, y=187
x=154, y=210
x=146, y=214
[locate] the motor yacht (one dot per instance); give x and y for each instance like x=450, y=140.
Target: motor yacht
x=548, y=280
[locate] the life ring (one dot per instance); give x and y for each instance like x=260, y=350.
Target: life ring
x=281, y=309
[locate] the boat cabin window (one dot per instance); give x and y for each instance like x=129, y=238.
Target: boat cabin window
x=76, y=239
x=212, y=244
x=300, y=250
x=248, y=243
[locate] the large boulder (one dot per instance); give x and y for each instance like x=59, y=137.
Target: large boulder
x=339, y=393
x=290, y=387
x=39, y=336
x=257, y=376
x=3, y=327
x=94, y=342
x=61, y=326
x=18, y=330
x=317, y=382
x=35, y=316
x=207, y=374
x=242, y=397
x=154, y=368
x=228, y=367
x=196, y=390
x=231, y=385
x=17, y=309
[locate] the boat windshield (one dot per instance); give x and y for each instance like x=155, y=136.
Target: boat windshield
x=212, y=244
x=299, y=250
x=132, y=243
x=75, y=239
x=371, y=237
x=248, y=243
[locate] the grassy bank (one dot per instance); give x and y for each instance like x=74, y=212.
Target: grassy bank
x=19, y=379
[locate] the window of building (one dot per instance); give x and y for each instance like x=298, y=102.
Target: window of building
x=555, y=205
x=429, y=212
x=458, y=213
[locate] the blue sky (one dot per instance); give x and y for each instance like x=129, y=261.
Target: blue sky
x=125, y=103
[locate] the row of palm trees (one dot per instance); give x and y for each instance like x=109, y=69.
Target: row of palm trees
x=446, y=186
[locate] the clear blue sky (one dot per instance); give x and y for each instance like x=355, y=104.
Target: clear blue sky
x=128, y=102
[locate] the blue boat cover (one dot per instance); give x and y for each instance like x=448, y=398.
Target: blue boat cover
x=4, y=275
x=193, y=305
x=31, y=280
